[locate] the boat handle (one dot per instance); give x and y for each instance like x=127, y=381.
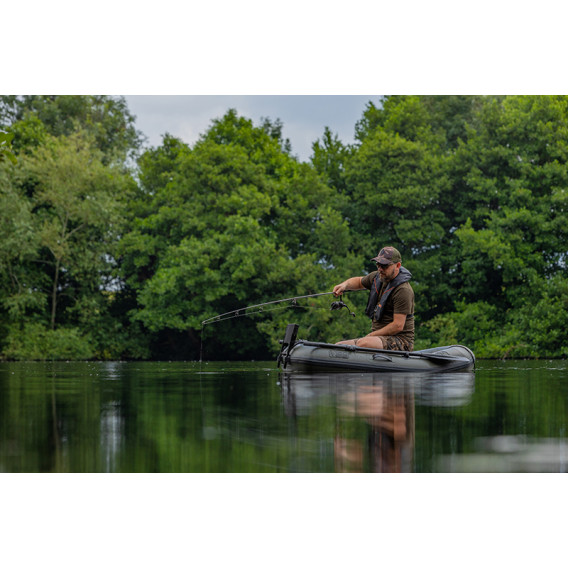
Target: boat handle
x=381, y=357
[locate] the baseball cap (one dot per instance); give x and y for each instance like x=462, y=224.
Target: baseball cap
x=387, y=255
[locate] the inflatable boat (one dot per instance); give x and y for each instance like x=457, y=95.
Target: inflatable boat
x=308, y=356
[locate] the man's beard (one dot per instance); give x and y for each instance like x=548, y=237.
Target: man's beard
x=386, y=278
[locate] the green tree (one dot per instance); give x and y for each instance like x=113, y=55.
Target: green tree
x=75, y=209
x=231, y=222
x=472, y=190
x=6, y=147
x=60, y=278
x=397, y=183
x=329, y=158
x=19, y=245
x=107, y=119
x=514, y=169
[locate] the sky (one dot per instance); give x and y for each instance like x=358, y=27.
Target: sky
x=304, y=117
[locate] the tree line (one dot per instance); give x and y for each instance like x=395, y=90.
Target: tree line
x=111, y=250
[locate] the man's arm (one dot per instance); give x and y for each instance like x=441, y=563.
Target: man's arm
x=396, y=326
x=349, y=284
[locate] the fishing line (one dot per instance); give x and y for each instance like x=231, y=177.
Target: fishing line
x=268, y=311
x=258, y=308
x=253, y=314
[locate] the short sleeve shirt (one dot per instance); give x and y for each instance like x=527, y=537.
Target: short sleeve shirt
x=400, y=301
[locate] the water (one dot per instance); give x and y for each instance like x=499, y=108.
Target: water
x=249, y=417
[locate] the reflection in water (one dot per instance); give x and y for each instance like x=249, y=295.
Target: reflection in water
x=390, y=438
x=510, y=454
x=250, y=417
x=375, y=413
x=112, y=427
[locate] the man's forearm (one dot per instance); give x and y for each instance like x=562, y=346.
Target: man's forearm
x=390, y=329
x=354, y=283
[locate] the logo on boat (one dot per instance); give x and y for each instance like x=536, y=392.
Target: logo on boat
x=339, y=354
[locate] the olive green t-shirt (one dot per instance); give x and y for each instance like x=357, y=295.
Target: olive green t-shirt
x=400, y=301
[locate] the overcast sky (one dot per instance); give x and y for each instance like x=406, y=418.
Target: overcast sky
x=304, y=118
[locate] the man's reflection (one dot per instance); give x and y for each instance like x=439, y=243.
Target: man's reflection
x=374, y=414
x=389, y=416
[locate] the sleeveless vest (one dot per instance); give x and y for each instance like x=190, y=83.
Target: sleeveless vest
x=374, y=306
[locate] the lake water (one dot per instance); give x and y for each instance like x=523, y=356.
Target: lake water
x=250, y=417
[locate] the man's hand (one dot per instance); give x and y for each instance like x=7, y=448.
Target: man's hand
x=349, y=284
x=339, y=289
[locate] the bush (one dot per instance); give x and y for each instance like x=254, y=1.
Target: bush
x=35, y=342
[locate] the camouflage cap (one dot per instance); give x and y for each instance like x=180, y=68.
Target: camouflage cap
x=387, y=255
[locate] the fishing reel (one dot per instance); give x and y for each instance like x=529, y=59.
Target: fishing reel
x=340, y=304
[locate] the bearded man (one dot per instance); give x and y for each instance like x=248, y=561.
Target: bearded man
x=390, y=305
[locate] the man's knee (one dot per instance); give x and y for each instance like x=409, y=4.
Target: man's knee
x=346, y=342
x=372, y=342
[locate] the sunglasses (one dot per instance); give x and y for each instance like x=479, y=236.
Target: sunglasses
x=383, y=266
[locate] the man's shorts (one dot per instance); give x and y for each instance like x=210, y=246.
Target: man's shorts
x=398, y=343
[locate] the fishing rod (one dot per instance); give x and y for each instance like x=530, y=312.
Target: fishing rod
x=258, y=307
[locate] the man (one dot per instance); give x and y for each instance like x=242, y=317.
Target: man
x=390, y=305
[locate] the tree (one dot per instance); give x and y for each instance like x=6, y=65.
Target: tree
x=329, y=158
x=19, y=244
x=472, y=190
x=231, y=222
x=5, y=147
x=397, y=183
x=515, y=176
x=65, y=228
x=107, y=119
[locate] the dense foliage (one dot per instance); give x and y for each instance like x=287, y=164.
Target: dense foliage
x=109, y=251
